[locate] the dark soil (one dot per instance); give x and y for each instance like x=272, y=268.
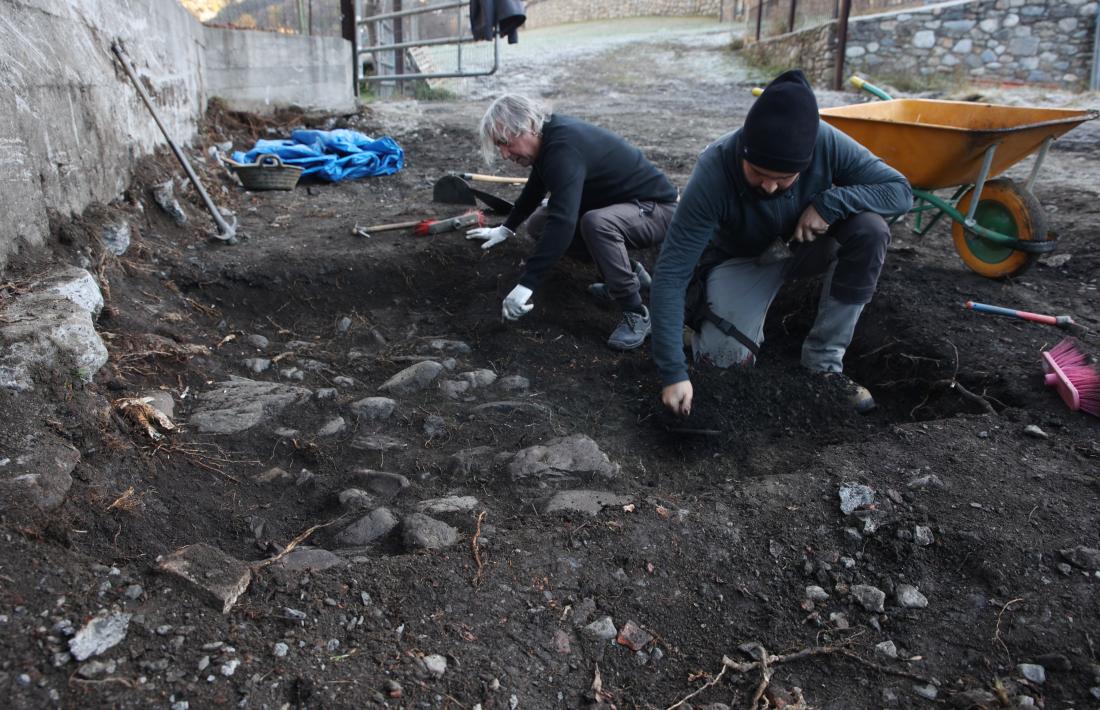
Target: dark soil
x=736, y=508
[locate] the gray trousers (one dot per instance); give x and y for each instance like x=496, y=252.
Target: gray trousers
x=606, y=236
x=740, y=290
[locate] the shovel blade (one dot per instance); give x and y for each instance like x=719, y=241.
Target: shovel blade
x=496, y=205
x=453, y=190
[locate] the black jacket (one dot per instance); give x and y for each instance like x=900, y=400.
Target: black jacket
x=491, y=17
x=583, y=167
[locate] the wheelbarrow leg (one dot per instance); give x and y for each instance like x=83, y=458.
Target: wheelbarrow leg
x=1038, y=163
x=979, y=184
x=928, y=206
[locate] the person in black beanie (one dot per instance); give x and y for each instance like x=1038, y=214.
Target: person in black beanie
x=784, y=197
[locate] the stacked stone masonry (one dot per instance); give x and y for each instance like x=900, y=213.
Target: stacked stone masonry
x=1042, y=42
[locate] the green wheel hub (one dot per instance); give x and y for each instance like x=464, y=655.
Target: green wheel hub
x=993, y=216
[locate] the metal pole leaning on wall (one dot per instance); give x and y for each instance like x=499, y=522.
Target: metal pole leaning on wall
x=226, y=232
x=759, y=17
x=841, y=44
x=790, y=19
x=1094, y=82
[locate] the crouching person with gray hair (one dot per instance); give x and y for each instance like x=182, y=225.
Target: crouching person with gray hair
x=605, y=199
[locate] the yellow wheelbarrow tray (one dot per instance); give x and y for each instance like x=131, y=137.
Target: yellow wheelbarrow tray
x=999, y=227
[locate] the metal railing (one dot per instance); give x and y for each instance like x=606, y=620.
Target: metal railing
x=387, y=45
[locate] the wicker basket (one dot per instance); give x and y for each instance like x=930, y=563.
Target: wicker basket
x=268, y=173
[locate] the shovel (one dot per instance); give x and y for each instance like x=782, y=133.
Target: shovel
x=425, y=227
x=492, y=178
x=452, y=189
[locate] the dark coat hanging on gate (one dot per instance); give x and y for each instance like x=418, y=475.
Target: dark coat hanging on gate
x=489, y=18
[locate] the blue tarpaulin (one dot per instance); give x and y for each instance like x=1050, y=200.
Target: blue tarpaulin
x=332, y=155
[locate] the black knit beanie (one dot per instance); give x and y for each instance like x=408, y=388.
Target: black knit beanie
x=781, y=128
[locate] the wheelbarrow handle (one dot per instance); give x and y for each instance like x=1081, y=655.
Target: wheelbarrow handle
x=493, y=178
x=870, y=88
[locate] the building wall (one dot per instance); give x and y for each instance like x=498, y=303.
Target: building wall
x=71, y=125
x=542, y=13
x=260, y=71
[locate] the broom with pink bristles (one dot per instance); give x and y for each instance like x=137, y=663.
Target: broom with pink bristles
x=1078, y=382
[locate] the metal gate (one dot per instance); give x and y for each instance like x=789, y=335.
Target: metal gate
x=425, y=42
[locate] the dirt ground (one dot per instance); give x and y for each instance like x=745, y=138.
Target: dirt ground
x=981, y=476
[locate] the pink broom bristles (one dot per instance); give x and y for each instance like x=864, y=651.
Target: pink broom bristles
x=1077, y=381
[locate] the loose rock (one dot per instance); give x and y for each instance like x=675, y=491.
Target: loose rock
x=582, y=501
x=870, y=598
x=372, y=408
x=210, y=573
x=909, y=597
x=418, y=531
x=98, y=635
x=413, y=378
x=374, y=525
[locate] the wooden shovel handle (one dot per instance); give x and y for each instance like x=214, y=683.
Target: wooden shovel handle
x=390, y=227
x=493, y=178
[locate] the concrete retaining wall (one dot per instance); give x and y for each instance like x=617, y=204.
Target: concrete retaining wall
x=71, y=124
x=260, y=71
x=555, y=12
x=1047, y=42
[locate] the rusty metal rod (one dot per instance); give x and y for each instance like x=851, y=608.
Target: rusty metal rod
x=226, y=232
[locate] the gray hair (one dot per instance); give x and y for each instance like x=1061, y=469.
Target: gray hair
x=508, y=117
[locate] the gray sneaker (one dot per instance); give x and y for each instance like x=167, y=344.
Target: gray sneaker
x=631, y=331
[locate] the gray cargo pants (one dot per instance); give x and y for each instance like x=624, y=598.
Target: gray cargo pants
x=607, y=234
x=740, y=290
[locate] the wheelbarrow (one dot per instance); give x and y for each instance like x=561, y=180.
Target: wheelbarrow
x=999, y=228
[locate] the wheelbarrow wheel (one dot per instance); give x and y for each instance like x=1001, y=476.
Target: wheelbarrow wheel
x=1008, y=209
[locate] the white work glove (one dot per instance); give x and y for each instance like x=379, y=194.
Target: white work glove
x=491, y=235
x=515, y=303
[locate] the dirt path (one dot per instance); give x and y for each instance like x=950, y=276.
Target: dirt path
x=950, y=579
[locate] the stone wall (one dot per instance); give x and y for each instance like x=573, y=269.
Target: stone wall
x=1018, y=41
x=543, y=13
x=71, y=124
x=810, y=50
x=1047, y=42
x=777, y=13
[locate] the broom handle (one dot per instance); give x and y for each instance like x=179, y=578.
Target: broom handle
x=1026, y=315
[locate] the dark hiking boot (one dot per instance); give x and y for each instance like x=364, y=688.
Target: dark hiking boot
x=599, y=290
x=858, y=396
x=631, y=331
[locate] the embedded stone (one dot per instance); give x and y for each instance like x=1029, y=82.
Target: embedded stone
x=209, y=573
